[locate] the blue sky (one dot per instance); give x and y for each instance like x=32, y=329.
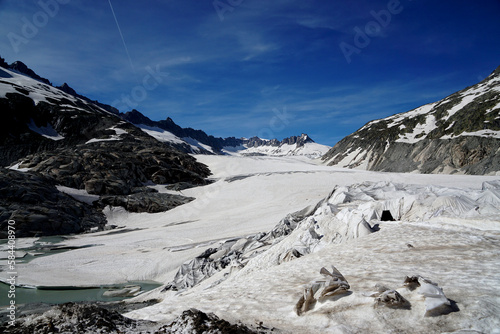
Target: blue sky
x=271, y=68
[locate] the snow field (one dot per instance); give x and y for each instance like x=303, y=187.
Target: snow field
x=463, y=260
x=269, y=295
x=153, y=246
x=452, y=244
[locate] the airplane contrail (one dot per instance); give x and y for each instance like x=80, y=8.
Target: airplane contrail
x=121, y=35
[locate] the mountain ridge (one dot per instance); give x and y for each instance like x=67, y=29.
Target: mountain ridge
x=458, y=134
x=187, y=140
x=216, y=145
x=22, y=68
x=49, y=137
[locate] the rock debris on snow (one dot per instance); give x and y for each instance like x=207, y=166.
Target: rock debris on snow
x=390, y=298
x=332, y=284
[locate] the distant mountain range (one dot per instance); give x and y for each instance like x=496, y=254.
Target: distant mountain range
x=71, y=165
x=64, y=157
x=458, y=134
x=187, y=140
x=197, y=141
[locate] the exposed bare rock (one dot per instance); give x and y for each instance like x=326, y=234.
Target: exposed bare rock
x=411, y=283
x=196, y=322
x=150, y=202
x=39, y=209
x=73, y=318
x=116, y=167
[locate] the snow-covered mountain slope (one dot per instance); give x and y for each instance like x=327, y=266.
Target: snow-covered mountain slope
x=301, y=145
x=38, y=117
x=60, y=114
x=15, y=82
x=452, y=244
x=166, y=131
x=460, y=133
x=61, y=139
x=186, y=144
x=197, y=141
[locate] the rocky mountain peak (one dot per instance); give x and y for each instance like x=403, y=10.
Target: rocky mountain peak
x=496, y=71
x=135, y=117
x=20, y=67
x=3, y=63
x=298, y=140
x=67, y=89
x=460, y=133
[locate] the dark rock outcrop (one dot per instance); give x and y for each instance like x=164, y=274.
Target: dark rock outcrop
x=150, y=202
x=75, y=121
x=90, y=318
x=78, y=319
x=197, y=322
x=39, y=209
x=3, y=63
x=36, y=106
x=116, y=167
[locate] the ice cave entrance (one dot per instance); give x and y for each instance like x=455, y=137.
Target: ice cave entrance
x=387, y=216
